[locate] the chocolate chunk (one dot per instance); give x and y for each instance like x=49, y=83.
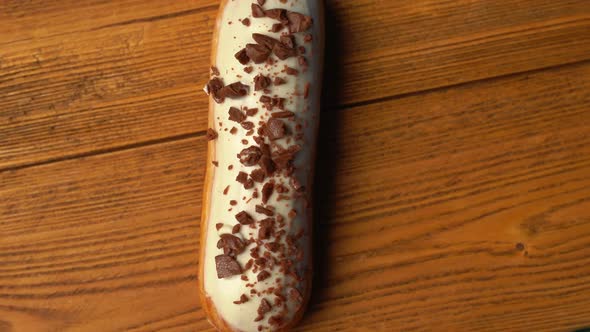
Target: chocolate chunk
x=244, y=218
x=265, y=229
x=267, y=190
x=302, y=61
x=242, y=177
x=215, y=163
x=298, y=22
x=283, y=114
x=211, y=134
x=288, y=40
x=233, y=202
x=236, y=115
x=277, y=27
x=276, y=320
x=283, y=160
x=262, y=210
x=263, y=276
x=213, y=88
x=242, y=56
x=236, y=228
x=267, y=165
x=261, y=82
x=248, y=69
x=283, y=52
x=233, y=130
x=214, y=71
x=218, y=226
x=250, y=156
x=257, y=53
x=292, y=214
x=307, y=38
x=243, y=299
x=264, y=40
x=226, y=266
x=225, y=190
x=257, y=11
x=258, y=175
x=297, y=185
x=301, y=49
x=291, y=71
x=275, y=129
x=278, y=81
x=246, y=22
x=231, y=245
x=264, y=307
x=249, y=184
x=247, y=125
x=272, y=246
x=251, y=111
x=277, y=14
x=234, y=90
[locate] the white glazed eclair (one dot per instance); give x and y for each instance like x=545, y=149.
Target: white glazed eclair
x=256, y=256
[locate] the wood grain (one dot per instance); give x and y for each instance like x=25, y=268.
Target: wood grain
x=107, y=75
x=465, y=208
x=453, y=186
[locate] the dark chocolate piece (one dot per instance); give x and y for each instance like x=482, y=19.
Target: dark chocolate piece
x=250, y=156
x=226, y=266
x=242, y=56
x=211, y=134
x=244, y=218
x=261, y=82
x=235, y=114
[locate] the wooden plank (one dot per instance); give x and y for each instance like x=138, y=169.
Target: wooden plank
x=90, y=82
x=465, y=209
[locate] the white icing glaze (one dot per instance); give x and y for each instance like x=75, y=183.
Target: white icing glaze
x=232, y=38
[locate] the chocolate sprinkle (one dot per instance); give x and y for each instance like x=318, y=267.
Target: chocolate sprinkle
x=264, y=40
x=283, y=52
x=236, y=115
x=277, y=27
x=298, y=22
x=283, y=114
x=262, y=210
x=247, y=125
x=213, y=87
x=242, y=56
x=267, y=165
x=277, y=14
x=231, y=245
x=262, y=276
x=251, y=111
x=258, y=175
x=234, y=90
x=275, y=129
x=257, y=53
x=278, y=81
x=250, y=156
x=244, y=218
x=226, y=266
x=267, y=190
x=288, y=40
x=261, y=82
x=257, y=11
x=211, y=134
x=264, y=307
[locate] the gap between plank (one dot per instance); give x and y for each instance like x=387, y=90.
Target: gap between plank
x=115, y=149
x=340, y=107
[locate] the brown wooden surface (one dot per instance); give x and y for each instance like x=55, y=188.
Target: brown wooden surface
x=453, y=189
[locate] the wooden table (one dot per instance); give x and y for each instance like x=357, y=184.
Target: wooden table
x=453, y=185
